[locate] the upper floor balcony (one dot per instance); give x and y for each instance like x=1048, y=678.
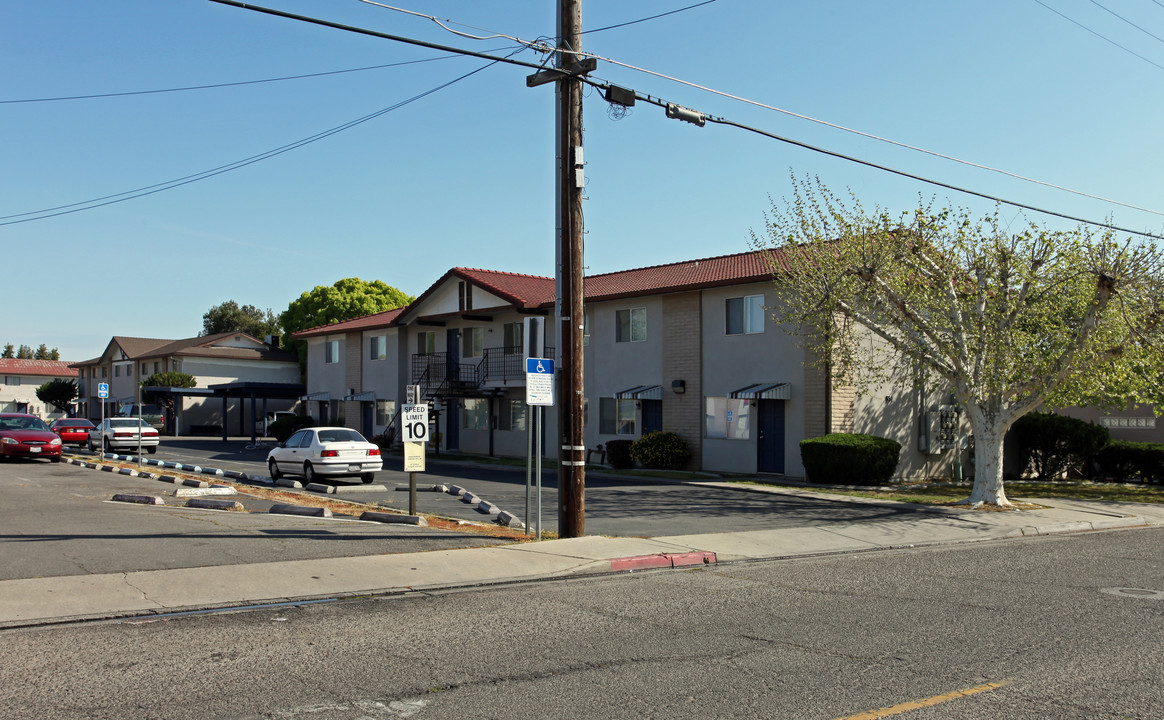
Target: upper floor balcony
x=445, y=375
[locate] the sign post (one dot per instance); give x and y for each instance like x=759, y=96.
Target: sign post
x=414, y=431
x=539, y=392
x=103, y=394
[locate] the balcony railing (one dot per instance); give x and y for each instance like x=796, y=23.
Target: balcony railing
x=437, y=373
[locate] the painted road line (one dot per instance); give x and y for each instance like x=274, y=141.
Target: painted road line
x=927, y=702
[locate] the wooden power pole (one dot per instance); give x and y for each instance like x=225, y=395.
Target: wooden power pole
x=571, y=182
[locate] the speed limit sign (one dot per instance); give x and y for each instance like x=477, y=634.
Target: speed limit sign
x=414, y=423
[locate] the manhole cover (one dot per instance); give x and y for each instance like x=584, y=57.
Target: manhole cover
x=1140, y=593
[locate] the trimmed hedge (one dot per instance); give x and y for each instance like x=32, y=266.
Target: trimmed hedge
x=661, y=451
x=284, y=427
x=848, y=459
x=1123, y=461
x=618, y=454
x=1050, y=446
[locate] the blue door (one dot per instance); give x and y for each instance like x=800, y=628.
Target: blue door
x=652, y=416
x=770, y=436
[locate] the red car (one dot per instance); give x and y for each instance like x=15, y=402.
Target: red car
x=27, y=436
x=72, y=430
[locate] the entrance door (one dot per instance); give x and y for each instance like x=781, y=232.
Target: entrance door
x=770, y=444
x=368, y=411
x=652, y=416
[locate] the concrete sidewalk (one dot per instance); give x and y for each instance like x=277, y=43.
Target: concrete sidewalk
x=31, y=602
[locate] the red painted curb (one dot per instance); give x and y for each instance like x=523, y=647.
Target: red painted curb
x=662, y=560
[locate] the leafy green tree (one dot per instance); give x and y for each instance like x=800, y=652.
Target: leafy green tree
x=58, y=393
x=1009, y=322
x=230, y=317
x=42, y=353
x=54, y=354
x=346, y=299
x=9, y=351
x=168, y=379
x=24, y=353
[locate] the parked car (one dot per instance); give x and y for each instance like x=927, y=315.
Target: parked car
x=27, y=436
x=121, y=433
x=73, y=431
x=331, y=451
x=150, y=413
x=263, y=427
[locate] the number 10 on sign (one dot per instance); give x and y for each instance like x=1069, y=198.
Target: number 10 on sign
x=414, y=423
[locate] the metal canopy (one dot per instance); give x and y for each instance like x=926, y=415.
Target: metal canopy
x=764, y=391
x=641, y=392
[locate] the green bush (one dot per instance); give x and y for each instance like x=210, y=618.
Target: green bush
x=285, y=426
x=618, y=454
x=846, y=459
x=1050, y=446
x=661, y=451
x=1130, y=461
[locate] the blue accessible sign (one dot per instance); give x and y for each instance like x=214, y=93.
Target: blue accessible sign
x=539, y=381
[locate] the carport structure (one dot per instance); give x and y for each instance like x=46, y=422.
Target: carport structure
x=242, y=390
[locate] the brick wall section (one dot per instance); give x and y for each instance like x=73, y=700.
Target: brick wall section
x=353, y=376
x=682, y=360
x=826, y=410
x=844, y=408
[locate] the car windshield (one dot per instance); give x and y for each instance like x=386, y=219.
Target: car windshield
x=126, y=423
x=74, y=423
x=340, y=435
x=22, y=423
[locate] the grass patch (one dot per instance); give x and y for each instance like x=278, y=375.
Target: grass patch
x=944, y=495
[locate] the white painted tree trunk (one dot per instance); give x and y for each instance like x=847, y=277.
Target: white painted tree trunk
x=988, y=465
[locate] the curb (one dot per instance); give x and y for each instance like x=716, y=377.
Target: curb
x=662, y=560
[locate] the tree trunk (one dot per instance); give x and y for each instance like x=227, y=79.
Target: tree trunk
x=988, y=466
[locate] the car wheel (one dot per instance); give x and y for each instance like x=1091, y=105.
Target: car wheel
x=106, y=445
x=308, y=473
x=55, y=458
x=91, y=446
x=368, y=477
x=152, y=449
x=273, y=469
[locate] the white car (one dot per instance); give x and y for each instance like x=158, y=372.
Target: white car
x=330, y=451
x=121, y=433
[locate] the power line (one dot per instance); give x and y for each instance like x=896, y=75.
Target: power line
x=1101, y=37
x=1129, y=22
x=222, y=85
x=91, y=204
x=784, y=111
x=700, y=118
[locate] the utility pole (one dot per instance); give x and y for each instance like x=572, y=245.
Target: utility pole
x=571, y=182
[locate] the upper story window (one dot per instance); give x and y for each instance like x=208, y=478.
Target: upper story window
x=585, y=330
x=514, y=338
x=745, y=315
x=473, y=342
x=464, y=295
x=11, y=379
x=116, y=371
x=426, y=342
x=104, y=372
x=631, y=325
x=331, y=351
x=379, y=347
x=145, y=369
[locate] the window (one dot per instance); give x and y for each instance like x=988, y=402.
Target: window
x=512, y=414
x=116, y=371
x=631, y=325
x=472, y=342
x=464, y=295
x=616, y=416
x=379, y=345
x=385, y=409
x=585, y=330
x=155, y=367
x=475, y=414
x=11, y=379
x=426, y=342
x=745, y=315
x=513, y=338
x=728, y=418
x=331, y=351
x=145, y=369
x=103, y=372
x=336, y=413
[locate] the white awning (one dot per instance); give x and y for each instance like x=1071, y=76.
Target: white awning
x=764, y=391
x=321, y=396
x=367, y=396
x=641, y=392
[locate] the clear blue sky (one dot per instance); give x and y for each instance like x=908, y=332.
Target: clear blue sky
x=465, y=177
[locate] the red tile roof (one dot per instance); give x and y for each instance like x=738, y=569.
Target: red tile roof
x=365, y=322
x=43, y=368
x=754, y=266
x=524, y=290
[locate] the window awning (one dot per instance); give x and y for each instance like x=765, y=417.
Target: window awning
x=764, y=391
x=320, y=396
x=367, y=396
x=641, y=392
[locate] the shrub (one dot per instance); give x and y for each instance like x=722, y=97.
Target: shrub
x=1050, y=446
x=1128, y=461
x=284, y=427
x=661, y=451
x=846, y=459
x=618, y=454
